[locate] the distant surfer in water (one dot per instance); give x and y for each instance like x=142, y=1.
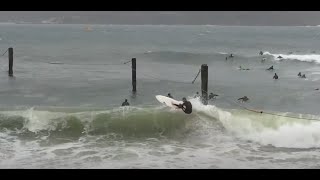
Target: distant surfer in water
x=186, y=106
x=299, y=74
x=125, y=103
x=169, y=95
x=270, y=68
x=261, y=53
x=197, y=95
x=303, y=76
x=275, y=76
x=212, y=96
x=243, y=99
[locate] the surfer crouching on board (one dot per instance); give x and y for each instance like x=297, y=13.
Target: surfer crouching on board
x=186, y=106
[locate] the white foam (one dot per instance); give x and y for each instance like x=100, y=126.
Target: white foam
x=39, y=120
x=299, y=57
x=261, y=128
x=291, y=136
x=282, y=132
x=266, y=129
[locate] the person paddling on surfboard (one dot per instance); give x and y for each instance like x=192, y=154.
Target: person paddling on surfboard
x=186, y=106
x=169, y=95
x=243, y=99
x=270, y=68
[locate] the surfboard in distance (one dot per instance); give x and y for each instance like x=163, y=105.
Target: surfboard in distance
x=57, y=62
x=168, y=101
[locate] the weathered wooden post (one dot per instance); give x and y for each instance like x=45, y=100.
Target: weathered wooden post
x=204, y=83
x=10, y=55
x=134, y=70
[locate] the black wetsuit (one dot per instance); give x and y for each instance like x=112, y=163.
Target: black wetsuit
x=270, y=68
x=125, y=104
x=186, y=107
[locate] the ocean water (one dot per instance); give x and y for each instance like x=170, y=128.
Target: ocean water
x=62, y=108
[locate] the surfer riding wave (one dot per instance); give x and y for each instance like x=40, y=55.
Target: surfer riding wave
x=186, y=106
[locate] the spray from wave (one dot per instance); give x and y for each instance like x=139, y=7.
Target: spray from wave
x=134, y=122
x=267, y=129
x=298, y=57
x=275, y=131
x=157, y=121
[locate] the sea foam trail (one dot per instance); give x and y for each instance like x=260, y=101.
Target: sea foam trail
x=305, y=57
x=266, y=129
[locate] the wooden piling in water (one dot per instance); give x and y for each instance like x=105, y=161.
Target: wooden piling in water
x=134, y=70
x=204, y=83
x=10, y=55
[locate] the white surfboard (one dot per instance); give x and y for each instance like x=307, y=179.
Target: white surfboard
x=168, y=101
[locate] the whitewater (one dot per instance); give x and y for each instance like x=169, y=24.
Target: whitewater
x=62, y=108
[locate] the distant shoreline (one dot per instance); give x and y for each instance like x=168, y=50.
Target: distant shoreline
x=37, y=23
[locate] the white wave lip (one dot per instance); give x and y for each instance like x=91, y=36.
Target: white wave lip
x=266, y=129
x=304, y=57
x=278, y=132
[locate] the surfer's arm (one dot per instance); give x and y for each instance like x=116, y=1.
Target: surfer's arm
x=178, y=105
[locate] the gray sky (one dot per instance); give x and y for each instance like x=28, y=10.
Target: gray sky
x=255, y=18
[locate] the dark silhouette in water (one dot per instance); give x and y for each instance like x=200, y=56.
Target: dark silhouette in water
x=243, y=99
x=261, y=53
x=299, y=74
x=275, y=76
x=125, y=103
x=270, y=68
x=212, y=96
x=280, y=57
x=186, y=106
x=303, y=76
x=169, y=95
x=316, y=89
x=197, y=95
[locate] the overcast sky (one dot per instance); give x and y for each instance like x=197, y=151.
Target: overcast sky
x=255, y=18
